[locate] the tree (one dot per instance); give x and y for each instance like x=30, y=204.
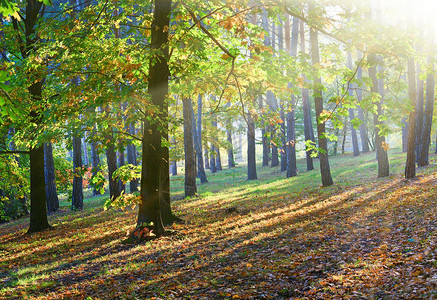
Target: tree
x=410, y=167
x=198, y=142
x=291, y=46
x=425, y=136
x=318, y=100
x=49, y=171
x=190, y=157
x=153, y=153
x=351, y=111
x=308, y=128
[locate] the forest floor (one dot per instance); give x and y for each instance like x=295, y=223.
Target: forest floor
x=272, y=238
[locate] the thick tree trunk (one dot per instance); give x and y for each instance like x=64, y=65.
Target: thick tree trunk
x=425, y=138
x=49, y=171
x=132, y=160
x=198, y=142
x=318, y=100
x=410, y=167
x=77, y=198
x=38, y=205
x=307, y=125
x=152, y=149
x=190, y=157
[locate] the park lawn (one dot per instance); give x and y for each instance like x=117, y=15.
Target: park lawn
x=272, y=238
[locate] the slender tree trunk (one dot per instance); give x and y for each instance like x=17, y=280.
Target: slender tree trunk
x=77, y=199
x=309, y=136
x=190, y=157
x=111, y=159
x=351, y=111
x=199, y=153
x=404, y=135
x=251, y=154
x=121, y=162
x=95, y=159
x=49, y=171
x=410, y=167
x=418, y=112
x=318, y=100
x=152, y=149
x=291, y=47
x=132, y=159
x=363, y=127
x=212, y=160
x=425, y=137
x=380, y=144
x=231, y=160
x=85, y=151
x=174, y=168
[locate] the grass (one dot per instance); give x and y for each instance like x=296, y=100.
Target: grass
x=271, y=238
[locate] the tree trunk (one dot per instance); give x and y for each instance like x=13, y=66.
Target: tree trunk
x=190, y=157
x=418, y=113
x=218, y=160
x=380, y=144
x=198, y=142
x=85, y=151
x=318, y=100
x=212, y=160
x=111, y=159
x=291, y=47
x=152, y=149
x=251, y=154
x=351, y=111
x=174, y=168
x=49, y=172
x=132, y=160
x=363, y=127
x=410, y=167
x=307, y=125
x=404, y=135
x=121, y=162
x=95, y=159
x=425, y=138
x=38, y=205
x=77, y=198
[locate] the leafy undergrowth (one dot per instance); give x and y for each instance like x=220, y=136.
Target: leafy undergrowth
x=273, y=238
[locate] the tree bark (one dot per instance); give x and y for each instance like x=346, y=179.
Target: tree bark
x=111, y=159
x=380, y=144
x=49, y=171
x=132, y=159
x=190, y=157
x=410, y=167
x=307, y=125
x=251, y=154
x=38, y=205
x=77, y=198
x=418, y=112
x=318, y=100
x=152, y=149
x=121, y=162
x=425, y=137
x=351, y=111
x=198, y=142
x=363, y=127
x=95, y=160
